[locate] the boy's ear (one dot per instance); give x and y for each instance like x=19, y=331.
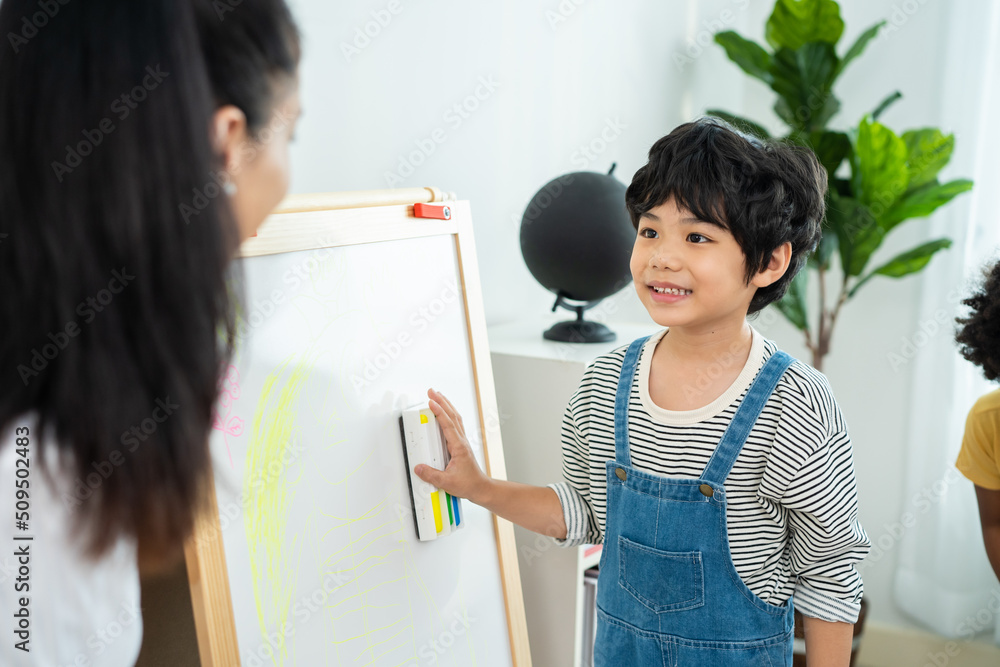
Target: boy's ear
x=776, y=267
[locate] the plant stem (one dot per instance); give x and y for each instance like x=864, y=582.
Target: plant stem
x=836, y=311
x=809, y=342
x=827, y=321
x=819, y=350
x=808, y=333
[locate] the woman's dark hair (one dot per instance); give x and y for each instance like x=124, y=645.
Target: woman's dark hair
x=764, y=192
x=117, y=313
x=978, y=334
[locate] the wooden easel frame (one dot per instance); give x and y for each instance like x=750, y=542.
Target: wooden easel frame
x=308, y=222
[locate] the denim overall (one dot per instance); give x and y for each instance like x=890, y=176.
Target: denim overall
x=668, y=592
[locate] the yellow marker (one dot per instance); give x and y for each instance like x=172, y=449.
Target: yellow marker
x=423, y=418
x=437, y=511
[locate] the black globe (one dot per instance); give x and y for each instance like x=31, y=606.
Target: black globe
x=576, y=236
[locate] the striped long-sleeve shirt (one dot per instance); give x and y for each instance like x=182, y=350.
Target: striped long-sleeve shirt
x=792, y=509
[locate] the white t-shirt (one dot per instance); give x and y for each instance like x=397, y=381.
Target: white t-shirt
x=80, y=612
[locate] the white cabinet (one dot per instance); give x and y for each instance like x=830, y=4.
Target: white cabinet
x=535, y=379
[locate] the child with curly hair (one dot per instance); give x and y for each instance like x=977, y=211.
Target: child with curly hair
x=979, y=459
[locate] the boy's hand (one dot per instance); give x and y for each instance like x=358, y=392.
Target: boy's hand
x=536, y=508
x=462, y=477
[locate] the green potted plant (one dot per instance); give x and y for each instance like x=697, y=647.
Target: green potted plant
x=878, y=179
x=888, y=179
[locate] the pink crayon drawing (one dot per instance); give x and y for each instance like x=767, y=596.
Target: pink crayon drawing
x=229, y=391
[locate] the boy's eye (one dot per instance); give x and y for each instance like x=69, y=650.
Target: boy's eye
x=650, y=235
x=698, y=238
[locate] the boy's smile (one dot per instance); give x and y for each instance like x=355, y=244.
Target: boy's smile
x=664, y=292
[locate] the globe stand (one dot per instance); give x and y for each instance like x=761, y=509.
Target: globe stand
x=579, y=330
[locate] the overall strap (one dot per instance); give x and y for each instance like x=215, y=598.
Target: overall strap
x=621, y=401
x=729, y=447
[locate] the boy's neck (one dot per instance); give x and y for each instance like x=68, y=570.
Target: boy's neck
x=707, y=345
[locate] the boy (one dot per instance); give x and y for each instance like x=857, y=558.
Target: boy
x=705, y=540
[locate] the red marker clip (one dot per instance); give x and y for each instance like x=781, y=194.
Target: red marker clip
x=436, y=211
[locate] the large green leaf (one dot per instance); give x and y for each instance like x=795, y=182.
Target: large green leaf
x=905, y=263
x=842, y=186
x=912, y=261
x=793, y=304
x=858, y=233
x=802, y=78
x=923, y=201
x=859, y=46
x=740, y=123
x=796, y=22
x=831, y=148
x=927, y=152
x=749, y=55
x=880, y=175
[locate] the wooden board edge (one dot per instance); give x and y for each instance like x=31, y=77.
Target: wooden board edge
x=325, y=201
x=517, y=622
x=293, y=231
x=503, y=530
x=208, y=578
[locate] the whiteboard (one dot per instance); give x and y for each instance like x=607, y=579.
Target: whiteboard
x=321, y=557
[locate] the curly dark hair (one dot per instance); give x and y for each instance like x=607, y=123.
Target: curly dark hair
x=978, y=335
x=764, y=192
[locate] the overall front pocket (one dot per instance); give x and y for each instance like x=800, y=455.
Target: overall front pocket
x=661, y=580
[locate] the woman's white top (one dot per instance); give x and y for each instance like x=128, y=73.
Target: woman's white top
x=74, y=611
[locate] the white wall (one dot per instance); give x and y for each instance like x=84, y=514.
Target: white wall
x=558, y=84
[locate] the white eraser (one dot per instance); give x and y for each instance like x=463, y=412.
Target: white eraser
x=422, y=443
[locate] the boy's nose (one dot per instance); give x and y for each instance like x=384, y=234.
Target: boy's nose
x=663, y=259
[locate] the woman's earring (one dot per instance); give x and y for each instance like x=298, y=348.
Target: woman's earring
x=230, y=188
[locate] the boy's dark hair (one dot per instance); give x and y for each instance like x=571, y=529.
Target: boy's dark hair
x=764, y=192
x=978, y=336
x=78, y=226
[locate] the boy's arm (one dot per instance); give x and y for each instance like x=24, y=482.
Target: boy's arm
x=989, y=517
x=828, y=644
x=826, y=538
x=827, y=541
x=536, y=508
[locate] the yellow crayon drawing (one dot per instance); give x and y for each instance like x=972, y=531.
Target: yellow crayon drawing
x=268, y=490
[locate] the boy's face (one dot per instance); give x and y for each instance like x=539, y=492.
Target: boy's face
x=698, y=267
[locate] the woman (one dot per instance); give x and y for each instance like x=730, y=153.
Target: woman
x=139, y=143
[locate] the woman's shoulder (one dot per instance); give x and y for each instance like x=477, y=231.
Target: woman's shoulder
x=81, y=610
